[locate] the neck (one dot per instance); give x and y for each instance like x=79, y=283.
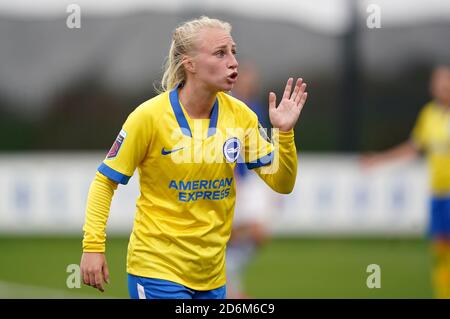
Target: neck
x=196, y=100
x=443, y=104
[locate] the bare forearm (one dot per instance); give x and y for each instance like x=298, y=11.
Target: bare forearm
x=404, y=151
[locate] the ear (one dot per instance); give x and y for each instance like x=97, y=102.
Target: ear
x=189, y=64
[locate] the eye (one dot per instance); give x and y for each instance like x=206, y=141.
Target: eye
x=220, y=53
x=234, y=52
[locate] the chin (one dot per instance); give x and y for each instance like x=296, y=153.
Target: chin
x=223, y=87
x=228, y=87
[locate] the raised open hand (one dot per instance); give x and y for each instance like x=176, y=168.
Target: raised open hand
x=288, y=111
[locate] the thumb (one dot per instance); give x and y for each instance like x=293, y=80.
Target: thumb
x=272, y=101
x=106, y=273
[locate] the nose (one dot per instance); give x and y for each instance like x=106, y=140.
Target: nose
x=233, y=63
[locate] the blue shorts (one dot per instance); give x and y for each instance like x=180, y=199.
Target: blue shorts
x=152, y=288
x=440, y=218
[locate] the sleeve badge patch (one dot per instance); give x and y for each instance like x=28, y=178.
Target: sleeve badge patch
x=263, y=133
x=117, y=145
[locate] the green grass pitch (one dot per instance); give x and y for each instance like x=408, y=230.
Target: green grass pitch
x=35, y=267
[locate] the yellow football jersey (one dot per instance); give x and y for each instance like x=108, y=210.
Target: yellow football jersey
x=187, y=188
x=432, y=134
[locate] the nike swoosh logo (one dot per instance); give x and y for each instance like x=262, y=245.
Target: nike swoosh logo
x=164, y=152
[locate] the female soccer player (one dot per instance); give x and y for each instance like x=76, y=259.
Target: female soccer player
x=185, y=143
x=431, y=135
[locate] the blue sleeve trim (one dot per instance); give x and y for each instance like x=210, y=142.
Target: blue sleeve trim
x=113, y=174
x=263, y=161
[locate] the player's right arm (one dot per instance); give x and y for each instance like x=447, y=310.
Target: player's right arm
x=93, y=264
x=127, y=152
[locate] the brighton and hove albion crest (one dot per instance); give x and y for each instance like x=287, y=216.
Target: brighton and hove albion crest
x=231, y=149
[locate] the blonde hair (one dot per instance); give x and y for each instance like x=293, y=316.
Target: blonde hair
x=183, y=43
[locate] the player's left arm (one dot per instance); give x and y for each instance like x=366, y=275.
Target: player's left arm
x=282, y=172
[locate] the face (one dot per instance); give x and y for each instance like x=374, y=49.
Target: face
x=213, y=64
x=440, y=85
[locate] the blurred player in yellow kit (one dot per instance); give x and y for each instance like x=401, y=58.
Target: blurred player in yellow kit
x=431, y=135
x=185, y=143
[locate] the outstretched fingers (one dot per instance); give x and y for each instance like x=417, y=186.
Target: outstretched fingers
x=288, y=88
x=300, y=93
x=302, y=100
x=297, y=89
x=272, y=101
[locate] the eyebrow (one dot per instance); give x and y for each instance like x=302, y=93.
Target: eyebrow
x=233, y=46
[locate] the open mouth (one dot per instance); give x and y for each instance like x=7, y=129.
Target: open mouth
x=233, y=76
